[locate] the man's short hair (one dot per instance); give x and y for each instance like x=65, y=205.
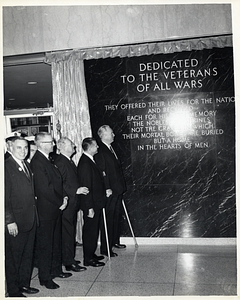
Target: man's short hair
x=102, y=129
x=87, y=142
x=61, y=142
x=40, y=135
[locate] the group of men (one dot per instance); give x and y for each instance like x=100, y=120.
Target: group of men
x=42, y=199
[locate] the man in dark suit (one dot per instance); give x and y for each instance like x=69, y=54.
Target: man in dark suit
x=50, y=203
x=20, y=220
x=68, y=170
x=110, y=165
x=91, y=204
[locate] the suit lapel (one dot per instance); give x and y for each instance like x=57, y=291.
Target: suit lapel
x=20, y=169
x=72, y=165
x=94, y=165
x=50, y=166
x=110, y=153
x=69, y=162
x=29, y=171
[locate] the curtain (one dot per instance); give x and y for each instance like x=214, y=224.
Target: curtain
x=161, y=47
x=70, y=103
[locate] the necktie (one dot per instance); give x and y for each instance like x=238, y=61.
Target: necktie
x=74, y=167
x=111, y=148
x=25, y=169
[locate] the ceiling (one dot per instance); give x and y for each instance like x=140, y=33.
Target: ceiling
x=27, y=82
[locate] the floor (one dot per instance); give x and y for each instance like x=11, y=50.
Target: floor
x=154, y=270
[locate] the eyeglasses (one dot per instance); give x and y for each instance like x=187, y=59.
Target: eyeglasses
x=51, y=142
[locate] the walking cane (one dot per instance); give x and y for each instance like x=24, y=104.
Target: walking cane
x=129, y=223
x=106, y=232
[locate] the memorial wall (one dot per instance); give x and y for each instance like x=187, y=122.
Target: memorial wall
x=174, y=120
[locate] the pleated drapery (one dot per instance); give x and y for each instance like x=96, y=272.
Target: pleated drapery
x=70, y=102
x=162, y=47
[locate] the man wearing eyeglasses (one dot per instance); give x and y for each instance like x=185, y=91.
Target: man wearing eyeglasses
x=51, y=201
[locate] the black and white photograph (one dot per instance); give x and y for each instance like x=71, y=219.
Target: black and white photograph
x=120, y=167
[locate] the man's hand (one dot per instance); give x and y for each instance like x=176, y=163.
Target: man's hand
x=65, y=202
x=108, y=192
x=91, y=213
x=82, y=190
x=12, y=229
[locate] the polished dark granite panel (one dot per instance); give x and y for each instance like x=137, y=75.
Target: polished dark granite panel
x=166, y=214
x=174, y=120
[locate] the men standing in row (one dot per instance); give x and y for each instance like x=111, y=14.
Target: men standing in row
x=110, y=165
x=50, y=203
x=92, y=203
x=68, y=170
x=20, y=220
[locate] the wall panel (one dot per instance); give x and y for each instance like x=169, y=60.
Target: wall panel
x=32, y=29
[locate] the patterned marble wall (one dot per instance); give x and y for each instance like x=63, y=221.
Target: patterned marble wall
x=174, y=119
x=33, y=29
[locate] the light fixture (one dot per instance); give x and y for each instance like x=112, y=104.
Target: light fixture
x=32, y=82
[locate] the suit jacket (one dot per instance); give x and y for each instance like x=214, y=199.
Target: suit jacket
x=48, y=187
x=111, y=167
x=7, y=154
x=20, y=206
x=90, y=175
x=69, y=174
